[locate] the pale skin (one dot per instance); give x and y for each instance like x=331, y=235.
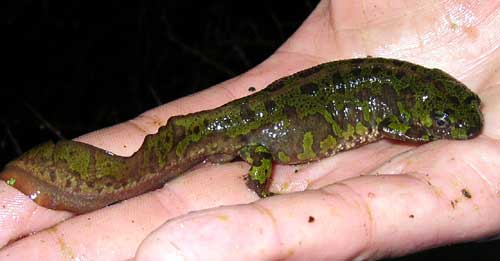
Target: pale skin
x=384, y=199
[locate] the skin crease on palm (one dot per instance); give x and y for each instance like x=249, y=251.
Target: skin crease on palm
x=353, y=207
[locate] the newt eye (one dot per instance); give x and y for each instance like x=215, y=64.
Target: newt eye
x=441, y=120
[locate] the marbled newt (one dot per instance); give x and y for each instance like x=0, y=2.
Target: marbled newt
x=303, y=117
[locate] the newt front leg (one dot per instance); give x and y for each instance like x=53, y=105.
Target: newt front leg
x=259, y=175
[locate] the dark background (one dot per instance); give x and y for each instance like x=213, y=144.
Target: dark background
x=77, y=66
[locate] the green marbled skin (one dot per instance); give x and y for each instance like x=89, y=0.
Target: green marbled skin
x=304, y=117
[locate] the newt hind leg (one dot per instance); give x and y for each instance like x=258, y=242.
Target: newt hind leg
x=259, y=175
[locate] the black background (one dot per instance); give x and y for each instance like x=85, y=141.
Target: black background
x=77, y=66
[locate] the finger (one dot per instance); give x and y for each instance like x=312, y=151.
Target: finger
x=19, y=215
x=288, y=178
x=114, y=233
x=365, y=217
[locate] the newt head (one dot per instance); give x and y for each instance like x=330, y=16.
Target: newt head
x=439, y=108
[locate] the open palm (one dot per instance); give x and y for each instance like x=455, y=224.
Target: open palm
x=384, y=199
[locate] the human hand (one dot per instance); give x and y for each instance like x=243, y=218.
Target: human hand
x=442, y=196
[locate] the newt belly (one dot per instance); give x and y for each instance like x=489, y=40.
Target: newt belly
x=300, y=118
